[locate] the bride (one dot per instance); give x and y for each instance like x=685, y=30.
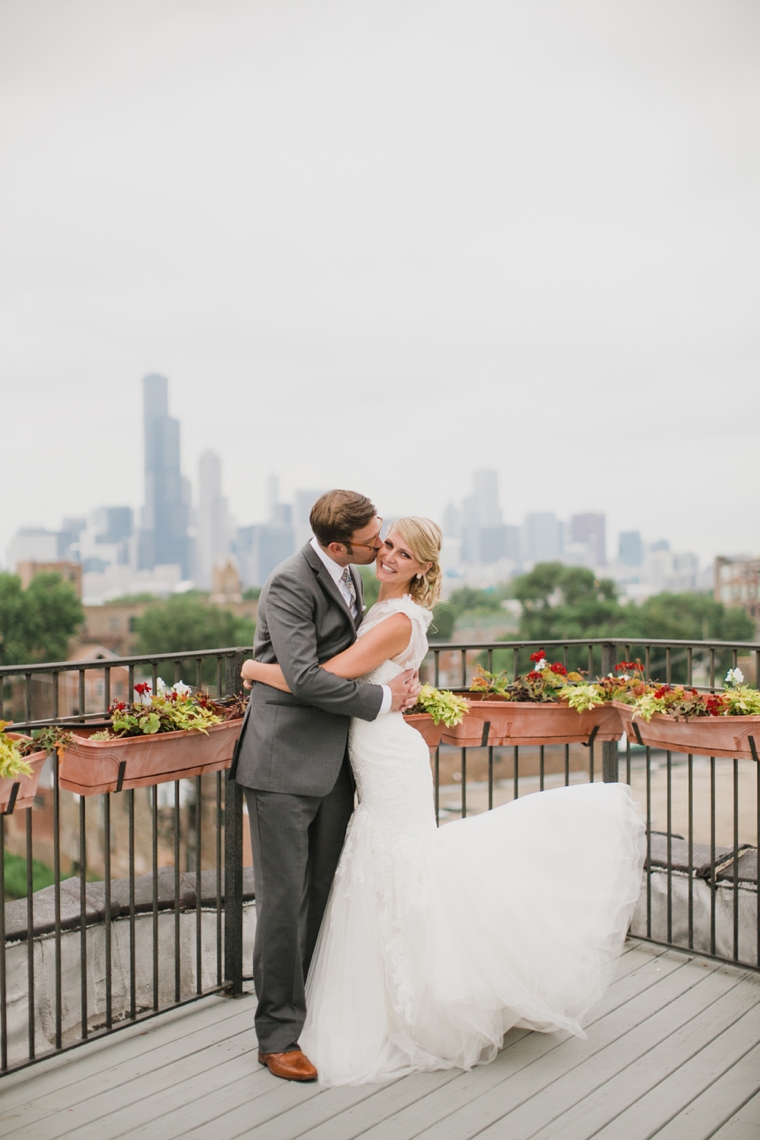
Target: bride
x=435, y=941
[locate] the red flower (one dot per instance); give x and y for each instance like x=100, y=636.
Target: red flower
x=534, y=676
x=538, y=655
x=119, y=706
x=714, y=705
x=142, y=688
x=558, y=668
x=662, y=691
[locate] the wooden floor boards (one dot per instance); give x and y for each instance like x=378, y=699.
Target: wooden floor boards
x=672, y=1052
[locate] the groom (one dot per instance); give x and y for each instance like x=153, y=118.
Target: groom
x=292, y=759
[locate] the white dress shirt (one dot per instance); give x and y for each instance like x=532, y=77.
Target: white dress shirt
x=336, y=573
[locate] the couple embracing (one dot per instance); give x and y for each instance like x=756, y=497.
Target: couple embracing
x=385, y=945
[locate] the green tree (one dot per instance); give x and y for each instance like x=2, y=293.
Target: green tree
x=693, y=617
x=568, y=602
x=186, y=622
x=469, y=601
x=37, y=623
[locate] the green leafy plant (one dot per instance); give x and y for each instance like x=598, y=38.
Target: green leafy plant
x=442, y=705
x=546, y=681
x=12, y=752
x=168, y=710
x=625, y=684
x=737, y=699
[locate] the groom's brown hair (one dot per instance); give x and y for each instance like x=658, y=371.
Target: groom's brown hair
x=336, y=515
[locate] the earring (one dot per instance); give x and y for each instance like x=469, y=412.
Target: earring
x=418, y=576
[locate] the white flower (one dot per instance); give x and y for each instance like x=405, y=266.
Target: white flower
x=160, y=685
x=541, y=664
x=181, y=689
x=734, y=677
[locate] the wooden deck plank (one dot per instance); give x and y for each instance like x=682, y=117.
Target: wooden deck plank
x=674, y=1043
x=324, y=1125
x=58, y=1072
x=617, y=1090
x=98, y=1094
x=108, y=1111
x=329, y=1112
x=744, y=1124
x=716, y=1105
x=571, y=1066
x=144, y=1062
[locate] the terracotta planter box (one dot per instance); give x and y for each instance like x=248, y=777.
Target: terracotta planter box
x=423, y=722
x=726, y=736
x=526, y=722
x=91, y=767
x=27, y=785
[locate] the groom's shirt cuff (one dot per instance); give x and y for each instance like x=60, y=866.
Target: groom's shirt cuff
x=387, y=700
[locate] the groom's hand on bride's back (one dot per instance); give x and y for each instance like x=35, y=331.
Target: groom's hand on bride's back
x=404, y=689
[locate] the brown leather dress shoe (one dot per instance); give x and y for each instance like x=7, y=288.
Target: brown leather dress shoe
x=292, y=1066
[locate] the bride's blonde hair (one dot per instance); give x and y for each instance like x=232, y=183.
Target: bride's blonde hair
x=424, y=539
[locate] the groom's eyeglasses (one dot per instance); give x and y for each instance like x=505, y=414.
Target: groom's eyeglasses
x=371, y=544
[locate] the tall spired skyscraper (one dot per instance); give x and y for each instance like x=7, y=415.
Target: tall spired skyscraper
x=163, y=532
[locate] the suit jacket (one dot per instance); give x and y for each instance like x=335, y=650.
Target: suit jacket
x=295, y=742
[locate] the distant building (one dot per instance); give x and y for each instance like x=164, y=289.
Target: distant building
x=303, y=501
x=69, y=571
x=630, y=548
x=668, y=570
x=498, y=542
x=260, y=549
x=225, y=584
x=542, y=537
x=33, y=544
x=163, y=539
x=737, y=583
x=107, y=539
x=452, y=521
x=589, y=529
x=479, y=525
x=212, y=521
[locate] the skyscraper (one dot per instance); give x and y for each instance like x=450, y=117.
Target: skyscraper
x=212, y=525
x=542, y=537
x=630, y=548
x=589, y=528
x=163, y=533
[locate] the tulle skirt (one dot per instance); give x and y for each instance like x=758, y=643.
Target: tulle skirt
x=435, y=942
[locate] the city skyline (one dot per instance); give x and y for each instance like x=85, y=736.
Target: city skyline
x=534, y=250
x=175, y=505
x=184, y=533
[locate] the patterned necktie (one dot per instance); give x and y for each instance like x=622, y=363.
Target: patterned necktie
x=348, y=582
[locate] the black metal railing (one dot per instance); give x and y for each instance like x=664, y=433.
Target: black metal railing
x=145, y=907
x=153, y=912
x=700, y=890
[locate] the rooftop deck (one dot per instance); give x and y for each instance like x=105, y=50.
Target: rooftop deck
x=672, y=1052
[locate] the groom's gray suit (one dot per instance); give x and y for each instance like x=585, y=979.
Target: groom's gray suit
x=292, y=762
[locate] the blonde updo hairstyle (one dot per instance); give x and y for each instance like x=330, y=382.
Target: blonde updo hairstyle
x=424, y=538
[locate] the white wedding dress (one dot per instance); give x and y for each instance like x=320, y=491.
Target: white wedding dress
x=435, y=941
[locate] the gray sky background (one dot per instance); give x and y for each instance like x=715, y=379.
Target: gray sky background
x=379, y=244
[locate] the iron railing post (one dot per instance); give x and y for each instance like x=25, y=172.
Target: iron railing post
x=233, y=887
x=233, y=854
x=610, y=757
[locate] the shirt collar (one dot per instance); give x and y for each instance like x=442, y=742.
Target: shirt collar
x=335, y=571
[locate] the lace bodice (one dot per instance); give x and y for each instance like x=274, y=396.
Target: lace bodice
x=412, y=656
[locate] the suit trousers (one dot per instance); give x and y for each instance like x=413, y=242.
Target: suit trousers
x=296, y=843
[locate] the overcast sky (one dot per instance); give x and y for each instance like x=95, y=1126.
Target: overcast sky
x=380, y=243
